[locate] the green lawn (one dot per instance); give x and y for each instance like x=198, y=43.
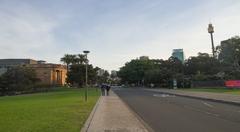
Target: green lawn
x=216, y=90
x=62, y=110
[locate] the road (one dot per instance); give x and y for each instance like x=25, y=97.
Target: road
x=168, y=113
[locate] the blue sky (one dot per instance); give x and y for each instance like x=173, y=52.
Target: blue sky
x=115, y=31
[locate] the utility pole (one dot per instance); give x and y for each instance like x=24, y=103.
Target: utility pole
x=211, y=31
x=86, y=83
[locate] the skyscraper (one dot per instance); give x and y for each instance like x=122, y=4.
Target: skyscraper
x=178, y=53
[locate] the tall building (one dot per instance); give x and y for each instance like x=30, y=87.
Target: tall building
x=178, y=53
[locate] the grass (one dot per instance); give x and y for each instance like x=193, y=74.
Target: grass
x=216, y=90
x=63, y=110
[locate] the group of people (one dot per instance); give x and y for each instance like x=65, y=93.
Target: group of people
x=105, y=88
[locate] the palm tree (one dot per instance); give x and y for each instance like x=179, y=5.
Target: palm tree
x=74, y=59
x=82, y=59
x=67, y=59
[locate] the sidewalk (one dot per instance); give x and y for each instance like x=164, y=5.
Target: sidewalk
x=112, y=115
x=218, y=97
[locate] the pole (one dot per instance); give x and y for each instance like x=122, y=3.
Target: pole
x=86, y=87
x=213, y=49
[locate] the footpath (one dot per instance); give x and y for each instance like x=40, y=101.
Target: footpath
x=111, y=114
x=217, y=97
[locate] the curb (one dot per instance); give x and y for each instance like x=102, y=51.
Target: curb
x=202, y=98
x=149, y=129
x=90, y=117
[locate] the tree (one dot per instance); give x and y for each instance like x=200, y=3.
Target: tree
x=81, y=59
x=105, y=76
x=69, y=59
x=102, y=75
x=77, y=74
x=159, y=73
x=200, y=68
x=229, y=51
x=134, y=71
x=17, y=79
x=229, y=56
x=76, y=65
x=203, y=67
x=175, y=66
x=163, y=72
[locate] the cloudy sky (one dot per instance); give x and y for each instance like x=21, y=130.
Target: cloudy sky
x=115, y=31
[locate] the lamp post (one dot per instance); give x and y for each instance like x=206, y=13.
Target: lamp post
x=211, y=31
x=86, y=83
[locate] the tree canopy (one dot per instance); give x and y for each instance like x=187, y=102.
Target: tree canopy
x=143, y=72
x=17, y=79
x=76, y=75
x=203, y=67
x=229, y=57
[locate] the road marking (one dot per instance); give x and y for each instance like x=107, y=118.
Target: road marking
x=209, y=105
x=212, y=114
x=163, y=95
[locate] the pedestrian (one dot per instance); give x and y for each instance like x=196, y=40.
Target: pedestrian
x=108, y=87
x=103, y=89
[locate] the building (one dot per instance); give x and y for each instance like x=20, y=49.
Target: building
x=178, y=53
x=8, y=63
x=49, y=74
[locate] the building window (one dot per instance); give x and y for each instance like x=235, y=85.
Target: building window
x=58, y=76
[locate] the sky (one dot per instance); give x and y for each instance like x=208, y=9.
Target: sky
x=114, y=31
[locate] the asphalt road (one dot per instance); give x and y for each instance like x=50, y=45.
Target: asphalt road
x=165, y=113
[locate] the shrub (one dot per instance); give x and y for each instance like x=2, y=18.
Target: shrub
x=17, y=80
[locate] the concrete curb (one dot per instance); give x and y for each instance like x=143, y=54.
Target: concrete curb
x=136, y=115
x=202, y=98
x=90, y=117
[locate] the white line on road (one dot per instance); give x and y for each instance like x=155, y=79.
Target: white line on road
x=212, y=114
x=163, y=95
x=209, y=105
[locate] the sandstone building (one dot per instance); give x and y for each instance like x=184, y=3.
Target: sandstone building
x=49, y=74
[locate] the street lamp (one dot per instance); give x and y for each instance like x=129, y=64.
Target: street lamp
x=86, y=83
x=211, y=31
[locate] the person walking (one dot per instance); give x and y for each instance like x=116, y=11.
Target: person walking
x=108, y=87
x=103, y=89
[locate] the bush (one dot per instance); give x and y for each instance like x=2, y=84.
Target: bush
x=17, y=80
